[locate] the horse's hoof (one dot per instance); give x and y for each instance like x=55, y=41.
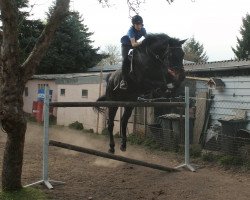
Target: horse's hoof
x=122, y=148
x=111, y=151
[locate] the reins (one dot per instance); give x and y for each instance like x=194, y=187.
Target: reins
x=157, y=57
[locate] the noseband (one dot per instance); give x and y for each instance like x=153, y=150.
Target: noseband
x=156, y=56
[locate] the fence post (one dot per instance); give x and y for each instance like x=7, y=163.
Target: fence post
x=46, y=139
x=187, y=143
x=145, y=120
x=45, y=175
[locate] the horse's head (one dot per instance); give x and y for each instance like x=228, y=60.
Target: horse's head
x=161, y=58
x=174, y=61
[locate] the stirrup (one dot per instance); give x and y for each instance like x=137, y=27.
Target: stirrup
x=123, y=85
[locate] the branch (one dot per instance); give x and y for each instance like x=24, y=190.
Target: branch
x=105, y=3
x=10, y=47
x=170, y=1
x=60, y=12
x=134, y=5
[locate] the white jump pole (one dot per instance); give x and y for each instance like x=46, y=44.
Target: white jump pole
x=45, y=175
x=187, y=143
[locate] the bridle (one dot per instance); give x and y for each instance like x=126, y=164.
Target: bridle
x=157, y=56
x=165, y=55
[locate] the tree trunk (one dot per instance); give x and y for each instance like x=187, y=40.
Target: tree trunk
x=13, y=157
x=13, y=76
x=14, y=124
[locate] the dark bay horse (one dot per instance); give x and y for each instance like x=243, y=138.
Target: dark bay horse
x=157, y=62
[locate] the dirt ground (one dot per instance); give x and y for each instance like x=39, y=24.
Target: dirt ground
x=90, y=177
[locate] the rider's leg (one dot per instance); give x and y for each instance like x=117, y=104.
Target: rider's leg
x=125, y=66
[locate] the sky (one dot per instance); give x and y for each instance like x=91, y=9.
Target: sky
x=213, y=23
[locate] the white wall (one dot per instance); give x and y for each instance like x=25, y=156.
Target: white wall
x=234, y=97
x=73, y=93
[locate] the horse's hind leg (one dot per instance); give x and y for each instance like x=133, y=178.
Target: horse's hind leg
x=125, y=117
x=111, y=114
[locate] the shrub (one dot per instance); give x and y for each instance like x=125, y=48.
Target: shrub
x=134, y=139
x=231, y=161
x=195, y=151
x=76, y=125
x=105, y=131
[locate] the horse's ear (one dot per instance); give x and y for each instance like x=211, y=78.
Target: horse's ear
x=183, y=41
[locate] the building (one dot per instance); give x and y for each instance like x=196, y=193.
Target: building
x=73, y=88
x=89, y=86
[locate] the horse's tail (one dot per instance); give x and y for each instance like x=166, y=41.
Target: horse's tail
x=100, y=109
x=102, y=98
x=107, y=77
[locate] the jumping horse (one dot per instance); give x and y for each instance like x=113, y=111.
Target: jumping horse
x=154, y=64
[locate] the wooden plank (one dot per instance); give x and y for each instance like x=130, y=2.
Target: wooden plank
x=200, y=117
x=111, y=156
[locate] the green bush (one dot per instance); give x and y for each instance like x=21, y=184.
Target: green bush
x=151, y=144
x=195, y=151
x=134, y=139
x=138, y=140
x=91, y=130
x=209, y=157
x=105, y=131
x=231, y=161
x=76, y=125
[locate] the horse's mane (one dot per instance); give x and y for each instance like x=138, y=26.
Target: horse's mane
x=159, y=38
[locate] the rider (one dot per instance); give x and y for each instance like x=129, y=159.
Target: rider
x=129, y=41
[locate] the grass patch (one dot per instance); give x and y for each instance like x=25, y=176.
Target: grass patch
x=23, y=194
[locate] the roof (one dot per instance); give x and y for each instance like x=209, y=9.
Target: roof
x=62, y=76
x=91, y=72
x=217, y=66
x=225, y=65
x=105, y=68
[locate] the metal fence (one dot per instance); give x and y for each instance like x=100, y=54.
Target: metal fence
x=165, y=126
x=219, y=126
x=228, y=130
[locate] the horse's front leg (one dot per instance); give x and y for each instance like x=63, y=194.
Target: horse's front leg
x=124, y=122
x=111, y=113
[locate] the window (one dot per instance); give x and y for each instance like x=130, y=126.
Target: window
x=85, y=93
x=42, y=86
x=26, y=91
x=62, y=92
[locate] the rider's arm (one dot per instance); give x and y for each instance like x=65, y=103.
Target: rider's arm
x=134, y=43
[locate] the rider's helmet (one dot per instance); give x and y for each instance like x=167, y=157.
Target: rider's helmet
x=137, y=19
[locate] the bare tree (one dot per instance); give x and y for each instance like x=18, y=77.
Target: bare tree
x=113, y=55
x=13, y=77
x=133, y=5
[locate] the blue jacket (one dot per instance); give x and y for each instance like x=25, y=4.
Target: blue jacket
x=133, y=33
